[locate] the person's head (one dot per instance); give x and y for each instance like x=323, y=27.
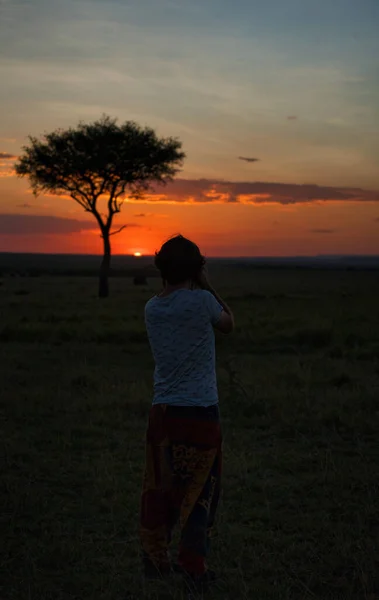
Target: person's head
x=179, y=260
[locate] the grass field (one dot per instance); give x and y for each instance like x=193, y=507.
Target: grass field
x=299, y=394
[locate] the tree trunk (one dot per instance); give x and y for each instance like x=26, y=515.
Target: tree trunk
x=105, y=267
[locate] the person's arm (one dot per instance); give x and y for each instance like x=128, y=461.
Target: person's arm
x=225, y=324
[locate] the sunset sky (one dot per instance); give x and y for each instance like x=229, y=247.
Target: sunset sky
x=293, y=84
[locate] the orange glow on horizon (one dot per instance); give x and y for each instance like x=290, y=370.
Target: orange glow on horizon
x=254, y=225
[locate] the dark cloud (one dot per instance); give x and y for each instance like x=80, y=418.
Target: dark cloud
x=218, y=190
x=7, y=156
x=377, y=219
x=248, y=159
x=292, y=118
x=12, y=224
x=149, y=214
x=25, y=205
x=322, y=231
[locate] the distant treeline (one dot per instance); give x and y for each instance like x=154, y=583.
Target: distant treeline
x=70, y=265
x=7, y=271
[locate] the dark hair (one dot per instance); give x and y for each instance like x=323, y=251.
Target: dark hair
x=179, y=260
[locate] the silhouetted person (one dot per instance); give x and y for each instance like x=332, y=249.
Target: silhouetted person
x=183, y=442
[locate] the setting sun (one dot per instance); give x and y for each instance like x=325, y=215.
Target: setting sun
x=137, y=254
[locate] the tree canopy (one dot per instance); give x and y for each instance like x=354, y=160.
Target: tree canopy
x=100, y=160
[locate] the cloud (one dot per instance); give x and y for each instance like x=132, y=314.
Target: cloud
x=25, y=205
x=6, y=172
x=13, y=224
x=6, y=168
x=292, y=118
x=248, y=159
x=323, y=231
x=7, y=156
x=249, y=192
x=149, y=214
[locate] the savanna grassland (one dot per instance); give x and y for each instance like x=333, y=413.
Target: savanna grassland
x=299, y=395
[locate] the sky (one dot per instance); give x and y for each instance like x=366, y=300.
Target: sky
x=276, y=104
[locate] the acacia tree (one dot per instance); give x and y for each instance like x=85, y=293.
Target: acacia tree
x=100, y=161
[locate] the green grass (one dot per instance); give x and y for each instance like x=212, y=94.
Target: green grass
x=299, y=394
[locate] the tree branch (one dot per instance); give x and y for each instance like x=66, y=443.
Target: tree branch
x=121, y=192
x=94, y=192
x=118, y=230
x=83, y=204
x=102, y=225
x=111, y=210
x=102, y=188
x=75, y=189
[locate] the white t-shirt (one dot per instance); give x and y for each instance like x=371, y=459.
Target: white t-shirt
x=180, y=331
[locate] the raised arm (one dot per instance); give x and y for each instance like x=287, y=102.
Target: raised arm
x=225, y=323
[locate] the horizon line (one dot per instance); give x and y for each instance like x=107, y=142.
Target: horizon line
x=251, y=257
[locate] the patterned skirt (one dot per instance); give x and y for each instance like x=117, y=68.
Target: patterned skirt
x=181, y=484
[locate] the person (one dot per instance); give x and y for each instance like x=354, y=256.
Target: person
x=183, y=440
